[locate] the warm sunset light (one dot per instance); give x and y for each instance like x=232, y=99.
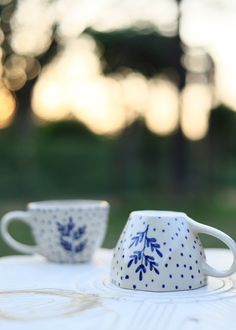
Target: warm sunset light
x=48, y=101
x=196, y=105
x=72, y=85
x=162, y=112
x=100, y=107
x=134, y=92
x=59, y=84
x=7, y=109
x=32, y=25
x=211, y=25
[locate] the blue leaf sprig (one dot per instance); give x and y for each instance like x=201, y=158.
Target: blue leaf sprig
x=70, y=236
x=140, y=257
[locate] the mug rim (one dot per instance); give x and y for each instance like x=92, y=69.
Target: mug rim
x=66, y=203
x=158, y=213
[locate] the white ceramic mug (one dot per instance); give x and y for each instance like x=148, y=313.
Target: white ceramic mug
x=64, y=231
x=161, y=251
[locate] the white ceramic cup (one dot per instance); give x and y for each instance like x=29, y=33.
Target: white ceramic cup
x=161, y=251
x=64, y=231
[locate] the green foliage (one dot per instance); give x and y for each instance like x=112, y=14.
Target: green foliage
x=133, y=171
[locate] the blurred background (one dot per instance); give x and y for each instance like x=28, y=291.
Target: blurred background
x=129, y=101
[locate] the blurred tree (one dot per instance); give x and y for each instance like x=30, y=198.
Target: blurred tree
x=145, y=51
x=222, y=146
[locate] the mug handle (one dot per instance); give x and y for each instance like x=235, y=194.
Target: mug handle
x=207, y=269
x=6, y=220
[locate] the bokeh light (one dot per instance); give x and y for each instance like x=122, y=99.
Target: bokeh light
x=8, y=107
x=32, y=27
x=98, y=105
x=163, y=104
x=48, y=100
x=76, y=72
x=134, y=92
x=196, y=106
x=57, y=88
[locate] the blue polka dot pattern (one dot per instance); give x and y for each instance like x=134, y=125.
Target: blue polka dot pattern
x=158, y=253
x=69, y=231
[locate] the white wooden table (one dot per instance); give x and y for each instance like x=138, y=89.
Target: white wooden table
x=37, y=295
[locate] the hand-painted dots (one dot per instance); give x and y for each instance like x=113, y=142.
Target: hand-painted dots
x=185, y=276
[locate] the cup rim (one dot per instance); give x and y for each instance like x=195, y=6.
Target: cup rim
x=67, y=203
x=158, y=213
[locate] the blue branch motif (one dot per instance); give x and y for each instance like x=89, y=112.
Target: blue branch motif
x=70, y=237
x=142, y=259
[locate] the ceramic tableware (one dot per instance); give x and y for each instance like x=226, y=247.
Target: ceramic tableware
x=64, y=231
x=161, y=251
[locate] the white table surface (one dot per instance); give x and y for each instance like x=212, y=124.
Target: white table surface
x=37, y=295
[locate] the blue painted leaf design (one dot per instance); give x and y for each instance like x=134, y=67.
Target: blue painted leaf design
x=139, y=256
x=72, y=235
x=159, y=253
x=79, y=232
x=80, y=246
x=66, y=245
x=130, y=263
x=140, y=276
x=156, y=271
x=141, y=268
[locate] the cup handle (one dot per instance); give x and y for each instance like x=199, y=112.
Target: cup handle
x=207, y=269
x=6, y=220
